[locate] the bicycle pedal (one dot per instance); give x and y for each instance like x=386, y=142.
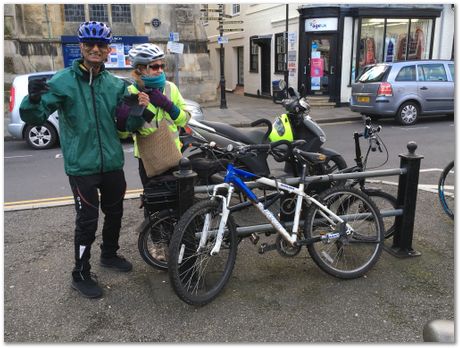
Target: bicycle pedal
x=254, y=238
x=264, y=247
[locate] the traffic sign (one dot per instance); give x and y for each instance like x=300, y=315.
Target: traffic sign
x=173, y=36
x=222, y=40
x=211, y=10
x=233, y=29
x=233, y=22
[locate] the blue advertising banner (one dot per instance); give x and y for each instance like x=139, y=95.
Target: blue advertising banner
x=119, y=48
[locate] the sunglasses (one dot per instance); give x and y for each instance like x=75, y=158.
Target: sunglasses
x=156, y=67
x=100, y=45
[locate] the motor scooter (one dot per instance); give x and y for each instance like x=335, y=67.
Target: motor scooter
x=295, y=124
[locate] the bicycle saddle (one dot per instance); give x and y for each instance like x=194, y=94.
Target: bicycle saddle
x=244, y=135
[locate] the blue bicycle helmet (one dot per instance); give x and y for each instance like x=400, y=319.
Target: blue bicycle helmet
x=94, y=31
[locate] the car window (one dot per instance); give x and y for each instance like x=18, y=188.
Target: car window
x=432, y=72
x=451, y=68
x=406, y=73
x=374, y=74
x=37, y=77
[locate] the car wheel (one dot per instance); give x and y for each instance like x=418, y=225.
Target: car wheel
x=41, y=137
x=408, y=113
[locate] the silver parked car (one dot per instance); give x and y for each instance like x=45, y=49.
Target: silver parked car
x=47, y=135
x=405, y=90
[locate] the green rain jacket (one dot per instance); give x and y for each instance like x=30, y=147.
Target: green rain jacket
x=86, y=106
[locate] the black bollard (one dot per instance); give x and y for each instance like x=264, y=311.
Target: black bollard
x=185, y=189
x=407, y=199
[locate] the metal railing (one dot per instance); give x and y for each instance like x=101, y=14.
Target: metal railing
x=406, y=199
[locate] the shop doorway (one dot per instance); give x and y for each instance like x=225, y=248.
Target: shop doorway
x=265, y=69
x=321, y=64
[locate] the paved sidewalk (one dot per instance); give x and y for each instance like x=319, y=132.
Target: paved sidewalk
x=242, y=110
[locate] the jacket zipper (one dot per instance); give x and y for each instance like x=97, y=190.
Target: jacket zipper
x=97, y=128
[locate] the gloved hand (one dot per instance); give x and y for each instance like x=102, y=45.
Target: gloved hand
x=158, y=99
x=131, y=99
x=36, y=88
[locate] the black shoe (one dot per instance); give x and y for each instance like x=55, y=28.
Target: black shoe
x=117, y=262
x=87, y=287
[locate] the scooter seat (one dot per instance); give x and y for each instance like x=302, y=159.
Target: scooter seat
x=244, y=135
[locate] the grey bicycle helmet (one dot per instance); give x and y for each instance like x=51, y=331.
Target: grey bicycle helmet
x=144, y=54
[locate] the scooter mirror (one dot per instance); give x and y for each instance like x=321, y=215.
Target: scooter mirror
x=291, y=92
x=282, y=84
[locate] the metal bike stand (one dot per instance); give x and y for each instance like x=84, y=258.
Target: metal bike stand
x=407, y=199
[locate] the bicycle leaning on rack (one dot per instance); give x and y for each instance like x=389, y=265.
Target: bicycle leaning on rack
x=446, y=191
x=382, y=199
x=342, y=230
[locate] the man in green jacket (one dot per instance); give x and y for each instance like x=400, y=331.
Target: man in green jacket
x=86, y=96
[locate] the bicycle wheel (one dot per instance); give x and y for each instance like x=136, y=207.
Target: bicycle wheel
x=446, y=191
x=349, y=256
x=197, y=277
x=384, y=201
x=153, y=240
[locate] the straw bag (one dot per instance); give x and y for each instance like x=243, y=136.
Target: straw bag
x=158, y=150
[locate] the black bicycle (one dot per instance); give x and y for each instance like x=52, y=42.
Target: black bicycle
x=446, y=190
x=383, y=200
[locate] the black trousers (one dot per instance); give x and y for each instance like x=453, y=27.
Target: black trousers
x=86, y=189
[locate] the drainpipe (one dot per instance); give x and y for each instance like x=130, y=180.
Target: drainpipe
x=49, y=35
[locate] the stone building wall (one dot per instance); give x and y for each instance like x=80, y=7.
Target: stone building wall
x=33, y=33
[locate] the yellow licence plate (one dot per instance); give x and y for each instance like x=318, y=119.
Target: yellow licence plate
x=363, y=99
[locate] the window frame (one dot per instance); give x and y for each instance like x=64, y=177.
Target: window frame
x=236, y=9
x=108, y=12
x=252, y=55
x=75, y=7
x=280, y=55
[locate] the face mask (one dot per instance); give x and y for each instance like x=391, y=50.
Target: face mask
x=154, y=81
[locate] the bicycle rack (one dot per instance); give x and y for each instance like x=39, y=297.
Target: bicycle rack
x=406, y=200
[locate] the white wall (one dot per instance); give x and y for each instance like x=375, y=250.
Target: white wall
x=443, y=35
x=346, y=59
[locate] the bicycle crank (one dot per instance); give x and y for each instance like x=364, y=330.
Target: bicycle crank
x=285, y=249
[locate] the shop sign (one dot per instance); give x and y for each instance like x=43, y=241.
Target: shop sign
x=119, y=48
x=321, y=24
x=292, y=56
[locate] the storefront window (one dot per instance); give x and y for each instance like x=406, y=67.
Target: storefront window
x=371, y=41
x=420, y=36
x=405, y=39
x=395, y=41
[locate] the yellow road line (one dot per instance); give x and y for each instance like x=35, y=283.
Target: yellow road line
x=54, y=202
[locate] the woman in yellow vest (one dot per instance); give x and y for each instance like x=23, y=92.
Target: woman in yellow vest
x=152, y=102
x=161, y=99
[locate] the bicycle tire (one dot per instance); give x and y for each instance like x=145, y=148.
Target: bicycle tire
x=384, y=201
x=156, y=230
x=443, y=179
x=196, y=276
x=351, y=256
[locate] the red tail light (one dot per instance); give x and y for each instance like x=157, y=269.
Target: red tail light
x=385, y=90
x=188, y=130
x=11, y=98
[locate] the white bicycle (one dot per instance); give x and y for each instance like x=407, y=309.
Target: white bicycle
x=342, y=229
